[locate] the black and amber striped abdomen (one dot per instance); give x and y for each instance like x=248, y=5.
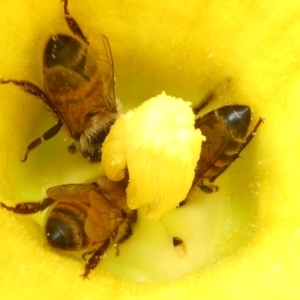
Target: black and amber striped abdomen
x=225, y=130
x=65, y=226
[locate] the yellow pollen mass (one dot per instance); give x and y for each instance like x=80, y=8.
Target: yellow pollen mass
x=159, y=146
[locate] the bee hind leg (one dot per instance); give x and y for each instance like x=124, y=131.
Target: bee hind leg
x=73, y=24
x=94, y=260
x=50, y=133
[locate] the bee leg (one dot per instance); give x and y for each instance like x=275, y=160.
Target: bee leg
x=207, y=98
x=112, y=238
x=73, y=24
x=30, y=88
x=210, y=95
x=127, y=234
x=95, y=259
x=74, y=27
x=84, y=255
x=207, y=188
x=27, y=208
x=46, y=136
x=251, y=135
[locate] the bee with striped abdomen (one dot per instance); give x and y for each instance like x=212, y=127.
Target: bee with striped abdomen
x=227, y=133
x=78, y=89
x=84, y=217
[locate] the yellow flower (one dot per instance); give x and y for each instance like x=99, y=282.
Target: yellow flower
x=184, y=48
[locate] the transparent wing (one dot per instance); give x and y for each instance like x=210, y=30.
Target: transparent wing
x=103, y=218
x=106, y=74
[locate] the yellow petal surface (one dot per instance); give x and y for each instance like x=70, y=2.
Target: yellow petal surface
x=153, y=141
x=184, y=48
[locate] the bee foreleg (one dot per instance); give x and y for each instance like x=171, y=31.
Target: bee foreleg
x=211, y=95
x=251, y=135
x=29, y=207
x=95, y=259
x=208, y=188
x=46, y=136
x=30, y=88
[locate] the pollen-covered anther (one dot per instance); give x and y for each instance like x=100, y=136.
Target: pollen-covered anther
x=160, y=147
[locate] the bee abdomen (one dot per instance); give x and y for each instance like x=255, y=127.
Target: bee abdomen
x=237, y=119
x=65, y=226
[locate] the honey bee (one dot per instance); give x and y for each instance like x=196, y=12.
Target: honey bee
x=78, y=90
x=227, y=133
x=84, y=217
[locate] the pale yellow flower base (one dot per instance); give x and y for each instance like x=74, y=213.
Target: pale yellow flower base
x=184, y=48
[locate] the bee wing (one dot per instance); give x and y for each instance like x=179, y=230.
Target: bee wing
x=71, y=192
x=106, y=67
x=115, y=192
x=217, y=136
x=103, y=218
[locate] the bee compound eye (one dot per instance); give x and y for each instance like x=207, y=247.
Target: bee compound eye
x=59, y=235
